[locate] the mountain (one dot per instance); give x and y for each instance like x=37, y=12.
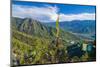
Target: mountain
x=33, y=39
x=34, y=42
x=86, y=28
x=37, y=28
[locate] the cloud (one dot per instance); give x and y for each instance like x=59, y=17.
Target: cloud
x=82, y=16
x=47, y=13
x=41, y=13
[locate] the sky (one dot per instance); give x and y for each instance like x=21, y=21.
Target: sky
x=46, y=12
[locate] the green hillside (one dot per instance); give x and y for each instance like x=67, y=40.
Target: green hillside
x=35, y=43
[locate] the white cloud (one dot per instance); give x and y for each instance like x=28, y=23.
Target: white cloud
x=47, y=13
x=82, y=16
x=40, y=13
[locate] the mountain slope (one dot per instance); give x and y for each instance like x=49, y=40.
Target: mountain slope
x=35, y=43
x=83, y=29
x=86, y=26
x=36, y=28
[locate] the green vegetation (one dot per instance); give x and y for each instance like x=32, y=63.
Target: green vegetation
x=36, y=43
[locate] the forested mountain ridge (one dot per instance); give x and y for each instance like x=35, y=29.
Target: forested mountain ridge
x=77, y=26
x=34, y=27
x=82, y=28
x=33, y=42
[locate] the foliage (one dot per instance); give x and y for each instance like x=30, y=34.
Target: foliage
x=35, y=43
